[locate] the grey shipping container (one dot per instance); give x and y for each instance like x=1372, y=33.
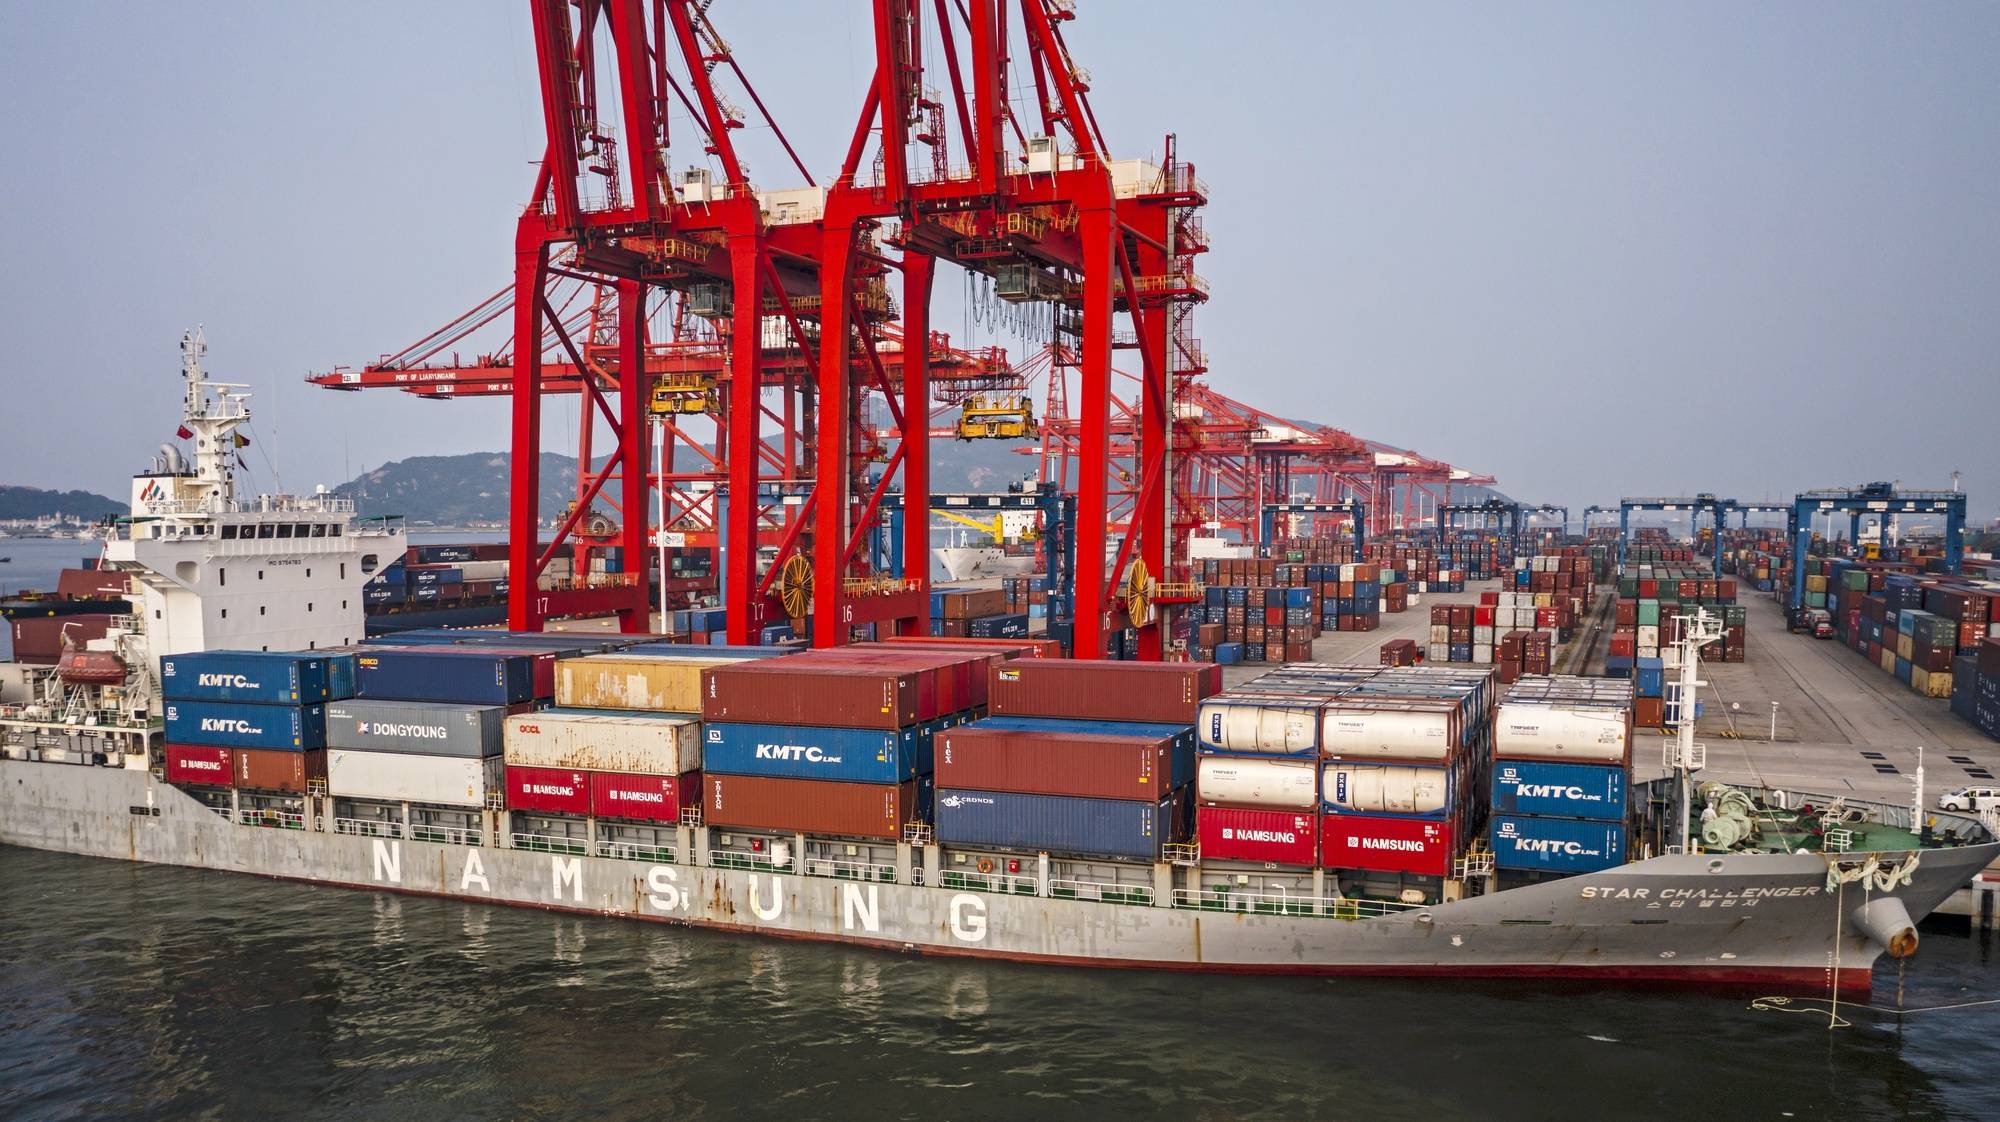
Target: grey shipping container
x=417, y=727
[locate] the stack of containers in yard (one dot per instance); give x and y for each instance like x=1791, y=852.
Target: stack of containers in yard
x=1652, y=594
x=975, y=613
x=1325, y=555
x=1079, y=758
x=256, y=720
x=1975, y=692
x=834, y=742
x=1257, y=779
x=1910, y=625
x=1418, y=565
x=1562, y=765
x=1270, y=611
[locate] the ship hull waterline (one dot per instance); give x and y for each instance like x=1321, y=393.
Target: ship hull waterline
x=1757, y=922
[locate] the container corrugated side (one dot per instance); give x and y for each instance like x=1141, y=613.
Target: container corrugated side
x=789, y=693
x=818, y=752
x=592, y=741
x=416, y=727
x=1171, y=692
x=200, y=765
x=233, y=725
x=1182, y=736
x=624, y=681
x=1115, y=828
x=1375, y=843
x=1557, y=845
x=812, y=806
x=548, y=790
x=404, y=777
x=1057, y=763
x=260, y=769
x=649, y=798
x=256, y=677
x=1559, y=790
x=1281, y=837
x=461, y=675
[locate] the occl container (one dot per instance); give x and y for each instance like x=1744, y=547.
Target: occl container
x=650, y=798
x=199, y=765
x=1104, y=766
x=818, y=752
x=625, y=681
x=1552, y=732
x=812, y=806
x=1557, y=845
x=1253, y=781
x=416, y=727
x=547, y=790
x=259, y=769
x=1560, y=790
x=258, y=677
x=647, y=743
x=404, y=777
x=1379, y=843
x=1282, y=837
x=233, y=725
x=1056, y=823
x=1401, y=789
x=1259, y=726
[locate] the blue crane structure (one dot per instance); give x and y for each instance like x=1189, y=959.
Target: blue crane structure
x=1355, y=509
x=1695, y=505
x=1494, y=514
x=1880, y=499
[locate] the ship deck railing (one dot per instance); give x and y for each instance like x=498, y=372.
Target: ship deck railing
x=368, y=827
x=448, y=835
x=637, y=851
x=841, y=869
x=1221, y=898
x=748, y=862
x=1006, y=884
x=551, y=843
x=1109, y=892
x=275, y=819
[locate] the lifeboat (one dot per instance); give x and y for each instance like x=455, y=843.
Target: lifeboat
x=78, y=667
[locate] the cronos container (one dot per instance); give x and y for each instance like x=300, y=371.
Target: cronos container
x=259, y=769
x=1378, y=843
x=1248, y=781
x=1058, y=763
x=199, y=765
x=1170, y=692
x=1262, y=726
x=1557, y=845
x=1551, y=732
x=658, y=744
x=623, y=681
x=818, y=752
x=231, y=725
x=259, y=677
x=1280, y=837
x=650, y=798
x=403, y=777
x=548, y=790
x=416, y=727
x=850, y=696
x=1538, y=787
x=463, y=675
x=1056, y=823
x=1394, y=730
x=1403, y=789
x=813, y=806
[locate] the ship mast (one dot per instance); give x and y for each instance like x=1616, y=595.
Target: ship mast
x=214, y=421
x=1683, y=756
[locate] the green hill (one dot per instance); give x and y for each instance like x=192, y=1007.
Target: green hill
x=34, y=502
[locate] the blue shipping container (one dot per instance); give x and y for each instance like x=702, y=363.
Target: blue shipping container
x=1557, y=845
x=1013, y=626
x=1535, y=787
x=1056, y=823
x=459, y=675
x=813, y=752
x=284, y=728
x=258, y=677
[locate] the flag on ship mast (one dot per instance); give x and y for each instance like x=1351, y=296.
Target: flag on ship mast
x=184, y=433
x=241, y=440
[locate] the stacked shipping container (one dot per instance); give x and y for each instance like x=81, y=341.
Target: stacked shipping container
x=251, y=719
x=1562, y=755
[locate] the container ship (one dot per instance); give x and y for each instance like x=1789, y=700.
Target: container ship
x=957, y=796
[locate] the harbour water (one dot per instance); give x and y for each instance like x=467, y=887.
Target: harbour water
x=137, y=991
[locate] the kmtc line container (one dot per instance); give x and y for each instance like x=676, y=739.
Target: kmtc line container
x=1170, y=692
x=1056, y=823
x=230, y=725
x=1535, y=787
x=649, y=798
x=462, y=675
x=1557, y=845
x=1281, y=837
x=818, y=752
x=580, y=739
x=416, y=727
x=1260, y=725
x=259, y=677
x=978, y=757
x=259, y=769
x=547, y=790
x=1254, y=781
x=1377, y=843
x=1401, y=789
x=1600, y=734
x=402, y=777
x=811, y=806
x=200, y=765
x=626, y=681
x=805, y=693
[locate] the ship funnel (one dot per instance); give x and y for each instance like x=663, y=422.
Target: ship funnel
x=170, y=459
x=1886, y=921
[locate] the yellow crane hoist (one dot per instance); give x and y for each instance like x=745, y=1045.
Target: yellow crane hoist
x=997, y=418
x=684, y=393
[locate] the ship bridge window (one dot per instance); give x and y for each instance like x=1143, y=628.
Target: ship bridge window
x=267, y=530
x=333, y=530
x=368, y=563
x=302, y=530
x=319, y=529
x=229, y=532
x=284, y=529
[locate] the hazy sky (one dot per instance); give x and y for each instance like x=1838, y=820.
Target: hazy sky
x=1593, y=249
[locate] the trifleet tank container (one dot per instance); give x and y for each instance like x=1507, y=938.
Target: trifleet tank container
x=1259, y=726
x=1539, y=787
x=1557, y=845
x=620, y=681
x=402, y=777
x=416, y=727
x=817, y=752
x=1551, y=732
x=1247, y=781
x=1283, y=837
x=1056, y=823
x=1392, y=730
x=1347, y=788
x=658, y=744
x=258, y=677
x=230, y=725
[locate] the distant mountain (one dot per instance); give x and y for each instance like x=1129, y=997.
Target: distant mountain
x=34, y=502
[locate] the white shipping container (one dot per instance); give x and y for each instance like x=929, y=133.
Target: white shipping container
x=1593, y=734
x=482, y=570
x=1482, y=652
x=1236, y=781
x=1385, y=788
x=404, y=778
x=1406, y=731
x=1440, y=633
x=604, y=742
x=1440, y=652
x=1649, y=635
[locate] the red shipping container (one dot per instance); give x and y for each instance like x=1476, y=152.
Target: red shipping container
x=1167, y=692
x=1420, y=846
x=264, y=769
x=655, y=798
x=548, y=790
x=38, y=640
x=1045, y=763
x=1278, y=837
x=809, y=806
x=190, y=763
x=810, y=693
x=91, y=584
